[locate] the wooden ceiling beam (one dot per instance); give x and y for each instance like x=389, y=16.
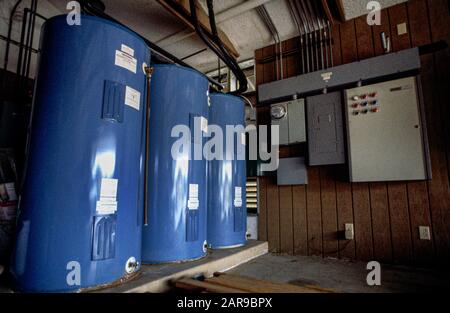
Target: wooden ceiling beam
x=203, y=20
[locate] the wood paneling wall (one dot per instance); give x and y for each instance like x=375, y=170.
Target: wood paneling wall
x=307, y=220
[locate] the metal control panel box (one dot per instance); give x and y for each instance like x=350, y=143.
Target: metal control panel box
x=326, y=144
x=386, y=141
x=290, y=117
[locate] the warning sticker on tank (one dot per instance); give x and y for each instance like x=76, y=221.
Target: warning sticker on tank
x=108, y=196
x=193, y=201
x=106, y=207
x=238, y=197
x=127, y=50
x=126, y=61
x=132, y=98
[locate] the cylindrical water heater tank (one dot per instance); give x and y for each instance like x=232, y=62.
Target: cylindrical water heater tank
x=227, y=210
x=175, y=228
x=80, y=221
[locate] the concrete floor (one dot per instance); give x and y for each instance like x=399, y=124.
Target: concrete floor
x=343, y=276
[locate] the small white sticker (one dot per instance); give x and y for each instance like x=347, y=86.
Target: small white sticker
x=128, y=50
x=238, y=197
x=193, y=201
x=132, y=98
x=204, y=124
x=106, y=206
x=126, y=61
x=109, y=188
x=108, y=196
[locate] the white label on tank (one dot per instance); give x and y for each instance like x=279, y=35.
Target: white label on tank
x=132, y=98
x=243, y=140
x=204, y=124
x=193, y=201
x=108, y=196
x=238, y=197
x=128, y=50
x=126, y=61
x=109, y=188
x=106, y=206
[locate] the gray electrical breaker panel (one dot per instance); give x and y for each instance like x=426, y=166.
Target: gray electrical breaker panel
x=325, y=129
x=386, y=137
x=290, y=117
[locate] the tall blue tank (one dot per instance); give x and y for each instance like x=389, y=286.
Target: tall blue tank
x=175, y=229
x=80, y=222
x=227, y=209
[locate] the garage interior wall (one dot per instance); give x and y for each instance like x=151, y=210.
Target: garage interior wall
x=308, y=220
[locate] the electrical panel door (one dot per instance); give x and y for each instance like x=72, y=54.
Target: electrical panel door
x=325, y=129
x=290, y=117
x=385, y=137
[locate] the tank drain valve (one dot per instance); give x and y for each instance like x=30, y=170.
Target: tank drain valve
x=132, y=265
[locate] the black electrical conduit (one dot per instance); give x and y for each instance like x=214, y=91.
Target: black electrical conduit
x=229, y=60
x=91, y=7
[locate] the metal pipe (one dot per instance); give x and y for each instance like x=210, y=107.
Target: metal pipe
x=315, y=28
x=307, y=23
x=300, y=33
x=331, y=44
x=11, y=16
x=33, y=24
x=321, y=27
x=87, y=7
x=229, y=60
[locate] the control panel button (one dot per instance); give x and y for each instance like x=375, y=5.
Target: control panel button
x=374, y=102
x=363, y=97
x=373, y=94
x=365, y=111
x=355, y=98
x=364, y=104
x=376, y=110
x=355, y=113
x=355, y=105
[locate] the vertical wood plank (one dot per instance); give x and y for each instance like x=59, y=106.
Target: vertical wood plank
x=286, y=223
x=273, y=216
x=363, y=222
x=382, y=242
x=398, y=15
x=259, y=70
x=262, y=205
x=418, y=191
x=348, y=42
x=314, y=213
x=329, y=213
x=438, y=92
x=364, y=38
x=300, y=220
x=400, y=224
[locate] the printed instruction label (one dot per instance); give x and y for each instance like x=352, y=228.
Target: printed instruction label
x=193, y=201
x=238, y=197
x=108, y=196
x=127, y=50
x=132, y=98
x=126, y=61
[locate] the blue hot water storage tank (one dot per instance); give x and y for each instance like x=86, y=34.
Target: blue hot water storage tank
x=227, y=210
x=80, y=221
x=175, y=229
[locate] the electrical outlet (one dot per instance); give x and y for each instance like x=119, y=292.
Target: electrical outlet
x=349, y=232
x=424, y=233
